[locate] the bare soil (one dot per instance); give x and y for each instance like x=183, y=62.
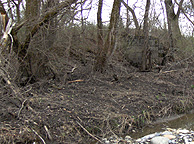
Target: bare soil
x=88, y=106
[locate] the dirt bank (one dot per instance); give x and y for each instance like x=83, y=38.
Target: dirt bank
x=91, y=106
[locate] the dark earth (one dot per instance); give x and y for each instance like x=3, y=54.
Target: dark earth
x=88, y=106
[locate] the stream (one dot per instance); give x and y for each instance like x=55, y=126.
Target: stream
x=185, y=121
x=182, y=125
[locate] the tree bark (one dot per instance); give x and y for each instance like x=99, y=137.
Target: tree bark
x=134, y=16
x=32, y=9
x=109, y=46
x=174, y=33
x=146, y=54
x=17, y=5
x=192, y=3
x=128, y=19
x=32, y=12
x=172, y=19
x=4, y=14
x=34, y=23
x=99, y=27
x=9, y=6
x=6, y=71
x=51, y=25
x=169, y=11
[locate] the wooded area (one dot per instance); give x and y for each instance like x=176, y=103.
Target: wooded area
x=47, y=19
x=53, y=43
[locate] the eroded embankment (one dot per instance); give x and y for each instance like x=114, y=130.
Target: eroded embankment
x=97, y=106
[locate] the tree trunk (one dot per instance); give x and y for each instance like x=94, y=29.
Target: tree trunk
x=99, y=27
x=17, y=5
x=192, y=3
x=32, y=12
x=18, y=11
x=51, y=25
x=9, y=6
x=33, y=23
x=109, y=46
x=128, y=19
x=134, y=17
x=4, y=14
x=172, y=19
x=32, y=9
x=146, y=54
x=174, y=33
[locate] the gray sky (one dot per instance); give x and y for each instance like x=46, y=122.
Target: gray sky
x=107, y=7
x=157, y=9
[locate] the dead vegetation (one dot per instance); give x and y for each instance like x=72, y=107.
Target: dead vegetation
x=89, y=107
x=50, y=92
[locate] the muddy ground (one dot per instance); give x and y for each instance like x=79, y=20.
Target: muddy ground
x=88, y=106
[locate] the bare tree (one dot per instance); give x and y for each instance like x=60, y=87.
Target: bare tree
x=183, y=11
x=33, y=24
x=128, y=18
x=110, y=41
x=134, y=16
x=172, y=19
x=17, y=5
x=4, y=14
x=32, y=8
x=192, y=3
x=10, y=11
x=51, y=24
x=100, y=26
x=146, y=54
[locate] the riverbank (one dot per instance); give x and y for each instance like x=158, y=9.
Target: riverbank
x=169, y=136
x=95, y=106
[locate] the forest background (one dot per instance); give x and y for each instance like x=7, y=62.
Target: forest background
x=74, y=71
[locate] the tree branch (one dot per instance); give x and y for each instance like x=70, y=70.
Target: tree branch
x=192, y=3
x=14, y=2
x=133, y=14
x=44, y=19
x=180, y=8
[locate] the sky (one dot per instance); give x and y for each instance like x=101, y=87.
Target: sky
x=157, y=9
x=137, y=5
x=107, y=7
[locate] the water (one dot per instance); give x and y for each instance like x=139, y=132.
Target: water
x=185, y=121
x=182, y=121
